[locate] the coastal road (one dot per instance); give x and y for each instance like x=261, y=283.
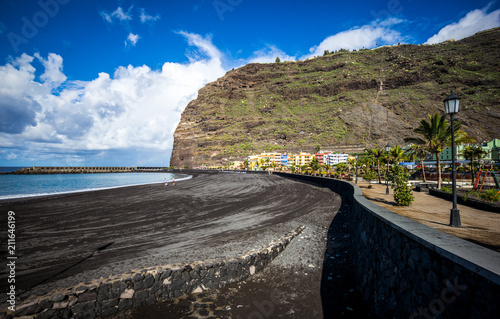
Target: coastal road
x=67, y=239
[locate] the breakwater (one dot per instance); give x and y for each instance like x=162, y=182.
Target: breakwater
x=107, y=296
x=408, y=270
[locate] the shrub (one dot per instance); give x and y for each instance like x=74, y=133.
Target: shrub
x=446, y=189
x=490, y=195
x=403, y=194
x=369, y=175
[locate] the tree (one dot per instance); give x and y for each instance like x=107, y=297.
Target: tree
x=327, y=168
x=317, y=148
x=420, y=152
x=435, y=135
x=246, y=164
x=314, y=164
x=278, y=60
x=341, y=168
x=471, y=153
x=268, y=161
x=369, y=175
x=397, y=153
x=403, y=194
x=377, y=155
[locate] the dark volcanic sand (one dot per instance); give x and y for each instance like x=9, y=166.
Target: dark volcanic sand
x=209, y=216
x=205, y=217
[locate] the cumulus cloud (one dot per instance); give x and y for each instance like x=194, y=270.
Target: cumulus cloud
x=18, y=95
x=269, y=54
x=475, y=21
x=145, y=18
x=132, y=39
x=134, y=108
x=53, y=69
x=379, y=32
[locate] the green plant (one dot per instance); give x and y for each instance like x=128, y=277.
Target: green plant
x=490, y=195
x=446, y=189
x=403, y=194
x=435, y=135
x=469, y=193
x=369, y=175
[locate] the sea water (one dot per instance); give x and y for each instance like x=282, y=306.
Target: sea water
x=17, y=186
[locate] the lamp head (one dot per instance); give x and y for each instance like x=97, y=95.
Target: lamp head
x=452, y=104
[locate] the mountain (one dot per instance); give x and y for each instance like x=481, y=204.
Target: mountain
x=342, y=101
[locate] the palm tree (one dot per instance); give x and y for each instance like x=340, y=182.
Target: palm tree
x=396, y=153
x=420, y=152
x=327, y=168
x=473, y=152
x=314, y=164
x=369, y=154
x=435, y=135
x=378, y=155
x=261, y=161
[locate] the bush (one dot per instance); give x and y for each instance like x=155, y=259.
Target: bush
x=403, y=194
x=446, y=189
x=369, y=175
x=490, y=195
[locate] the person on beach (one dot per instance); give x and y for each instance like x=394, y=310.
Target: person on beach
x=173, y=181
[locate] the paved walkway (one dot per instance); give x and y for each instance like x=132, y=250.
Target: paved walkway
x=478, y=226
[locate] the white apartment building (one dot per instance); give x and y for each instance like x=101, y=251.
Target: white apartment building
x=335, y=158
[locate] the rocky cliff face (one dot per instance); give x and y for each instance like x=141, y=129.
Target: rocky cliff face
x=345, y=101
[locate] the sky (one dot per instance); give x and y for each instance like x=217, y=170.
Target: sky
x=104, y=83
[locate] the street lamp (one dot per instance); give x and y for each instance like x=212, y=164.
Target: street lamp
x=356, y=168
x=387, y=149
x=451, y=106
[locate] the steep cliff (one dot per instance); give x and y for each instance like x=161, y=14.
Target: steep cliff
x=343, y=101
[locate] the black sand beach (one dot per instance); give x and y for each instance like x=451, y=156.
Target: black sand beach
x=74, y=238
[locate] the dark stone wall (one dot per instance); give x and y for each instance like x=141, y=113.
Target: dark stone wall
x=107, y=296
x=408, y=270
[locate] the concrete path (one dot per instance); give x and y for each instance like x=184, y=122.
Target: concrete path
x=478, y=226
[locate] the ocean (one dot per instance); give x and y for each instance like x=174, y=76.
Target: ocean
x=17, y=186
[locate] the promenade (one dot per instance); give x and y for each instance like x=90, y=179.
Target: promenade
x=478, y=226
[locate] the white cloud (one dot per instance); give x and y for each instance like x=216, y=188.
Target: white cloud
x=367, y=36
x=53, y=69
x=118, y=14
x=475, y=21
x=132, y=39
x=269, y=54
x=135, y=108
x=147, y=18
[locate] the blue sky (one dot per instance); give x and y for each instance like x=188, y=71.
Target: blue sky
x=105, y=82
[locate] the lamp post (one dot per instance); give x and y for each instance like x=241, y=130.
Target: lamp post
x=356, y=168
x=451, y=106
x=387, y=149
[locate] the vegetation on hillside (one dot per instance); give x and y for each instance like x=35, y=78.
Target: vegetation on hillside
x=360, y=99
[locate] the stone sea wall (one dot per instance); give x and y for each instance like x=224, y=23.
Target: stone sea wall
x=405, y=269
x=106, y=296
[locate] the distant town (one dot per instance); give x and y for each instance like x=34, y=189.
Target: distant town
x=276, y=160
